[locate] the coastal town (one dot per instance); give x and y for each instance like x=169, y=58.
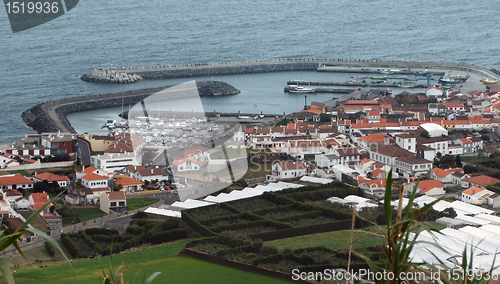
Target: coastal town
x=442, y=143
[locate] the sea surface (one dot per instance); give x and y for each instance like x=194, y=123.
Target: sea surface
x=45, y=62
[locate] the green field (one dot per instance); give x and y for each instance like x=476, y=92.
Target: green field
x=165, y=258
x=333, y=240
x=136, y=203
x=88, y=212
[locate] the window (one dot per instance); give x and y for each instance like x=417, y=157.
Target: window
x=122, y=203
x=112, y=204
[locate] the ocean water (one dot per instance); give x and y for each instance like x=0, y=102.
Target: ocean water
x=45, y=62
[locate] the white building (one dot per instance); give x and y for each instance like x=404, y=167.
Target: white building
x=115, y=161
x=288, y=169
x=407, y=142
x=94, y=181
x=434, y=129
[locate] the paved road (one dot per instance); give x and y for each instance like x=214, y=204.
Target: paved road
x=84, y=151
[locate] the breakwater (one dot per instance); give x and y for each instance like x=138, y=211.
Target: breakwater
x=286, y=64
x=51, y=116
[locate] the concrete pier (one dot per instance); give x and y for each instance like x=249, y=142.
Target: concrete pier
x=295, y=64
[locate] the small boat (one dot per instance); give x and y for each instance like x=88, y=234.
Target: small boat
x=379, y=77
x=385, y=71
x=488, y=81
x=110, y=124
x=300, y=89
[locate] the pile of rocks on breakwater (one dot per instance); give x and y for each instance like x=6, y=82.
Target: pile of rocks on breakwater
x=154, y=72
x=39, y=119
x=108, y=75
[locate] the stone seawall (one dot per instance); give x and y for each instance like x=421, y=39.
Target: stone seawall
x=280, y=65
x=51, y=116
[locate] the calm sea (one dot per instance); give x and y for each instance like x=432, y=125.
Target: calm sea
x=45, y=62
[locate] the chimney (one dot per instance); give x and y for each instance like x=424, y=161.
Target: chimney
x=473, y=191
x=386, y=140
x=151, y=171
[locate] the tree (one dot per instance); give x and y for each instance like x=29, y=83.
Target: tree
x=425, y=134
x=486, y=138
x=458, y=161
x=324, y=117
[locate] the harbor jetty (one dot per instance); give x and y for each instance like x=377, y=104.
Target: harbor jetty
x=51, y=116
x=287, y=64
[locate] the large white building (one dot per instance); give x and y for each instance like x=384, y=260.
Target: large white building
x=115, y=161
x=434, y=129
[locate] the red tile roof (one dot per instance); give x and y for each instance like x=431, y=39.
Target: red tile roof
x=14, y=179
x=473, y=190
x=116, y=195
x=482, y=180
x=94, y=177
x=50, y=177
x=292, y=165
x=427, y=185
x=128, y=181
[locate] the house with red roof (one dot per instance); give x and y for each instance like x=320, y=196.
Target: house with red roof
x=431, y=187
x=128, y=184
x=142, y=173
x=114, y=201
x=91, y=170
x=481, y=181
x=186, y=164
x=15, y=181
x=94, y=181
x=445, y=176
x=373, y=187
x=37, y=200
x=63, y=181
x=477, y=195
x=379, y=174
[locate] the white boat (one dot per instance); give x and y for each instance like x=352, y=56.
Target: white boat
x=110, y=123
x=300, y=89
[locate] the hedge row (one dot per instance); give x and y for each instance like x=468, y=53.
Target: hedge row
x=69, y=244
x=237, y=226
x=161, y=237
x=246, y=216
x=190, y=221
x=300, y=231
x=277, y=198
x=101, y=231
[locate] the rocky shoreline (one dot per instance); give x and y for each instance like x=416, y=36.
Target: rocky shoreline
x=51, y=116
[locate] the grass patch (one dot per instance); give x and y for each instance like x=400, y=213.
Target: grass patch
x=37, y=222
x=136, y=203
x=22, y=172
x=165, y=258
x=256, y=170
x=333, y=240
x=88, y=212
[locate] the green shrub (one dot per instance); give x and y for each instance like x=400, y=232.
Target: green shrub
x=50, y=249
x=268, y=250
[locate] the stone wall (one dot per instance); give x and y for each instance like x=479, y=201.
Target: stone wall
x=39, y=119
